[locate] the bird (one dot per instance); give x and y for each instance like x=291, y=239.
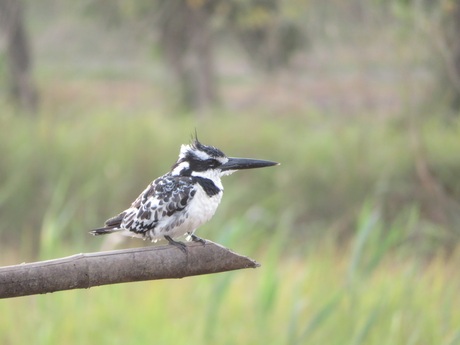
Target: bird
x=181, y=200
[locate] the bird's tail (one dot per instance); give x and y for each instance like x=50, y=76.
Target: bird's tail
x=104, y=231
x=111, y=225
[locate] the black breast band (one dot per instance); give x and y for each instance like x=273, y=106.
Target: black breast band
x=209, y=187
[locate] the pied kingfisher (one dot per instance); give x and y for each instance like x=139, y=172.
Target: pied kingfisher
x=180, y=201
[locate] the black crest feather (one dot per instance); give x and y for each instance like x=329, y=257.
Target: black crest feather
x=210, y=150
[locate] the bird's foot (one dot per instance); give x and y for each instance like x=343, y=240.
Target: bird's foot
x=177, y=244
x=195, y=238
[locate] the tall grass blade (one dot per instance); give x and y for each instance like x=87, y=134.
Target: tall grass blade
x=455, y=339
x=393, y=237
x=293, y=325
x=58, y=215
x=319, y=319
x=214, y=304
x=363, y=333
x=270, y=281
x=368, y=221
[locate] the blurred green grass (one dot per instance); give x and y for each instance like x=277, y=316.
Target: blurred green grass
x=64, y=174
x=342, y=228
x=302, y=299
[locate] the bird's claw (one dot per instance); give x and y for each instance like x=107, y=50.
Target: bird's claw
x=195, y=238
x=182, y=246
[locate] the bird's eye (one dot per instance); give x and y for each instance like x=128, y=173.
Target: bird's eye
x=213, y=163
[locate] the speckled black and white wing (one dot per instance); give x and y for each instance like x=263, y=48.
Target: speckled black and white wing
x=161, y=209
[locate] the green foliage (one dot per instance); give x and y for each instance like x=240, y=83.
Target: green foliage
x=398, y=302
x=64, y=175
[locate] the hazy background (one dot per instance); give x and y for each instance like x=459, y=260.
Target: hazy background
x=357, y=231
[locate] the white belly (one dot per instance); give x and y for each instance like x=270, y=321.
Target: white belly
x=200, y=210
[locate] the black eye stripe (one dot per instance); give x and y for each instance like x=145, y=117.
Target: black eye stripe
x=200, y=165
x=213, y=162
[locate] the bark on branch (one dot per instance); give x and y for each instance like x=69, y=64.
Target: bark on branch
x=82, y=271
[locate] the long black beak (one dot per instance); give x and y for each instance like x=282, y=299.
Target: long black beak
x=245, y=163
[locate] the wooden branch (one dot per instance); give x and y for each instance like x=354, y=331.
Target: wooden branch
x=82, y=271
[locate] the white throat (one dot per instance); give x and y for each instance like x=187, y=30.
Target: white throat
x=213, y=175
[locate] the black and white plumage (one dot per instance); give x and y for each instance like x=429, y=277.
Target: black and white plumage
x=180, y=201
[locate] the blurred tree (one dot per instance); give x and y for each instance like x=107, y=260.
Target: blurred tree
x=451, y=30
x=269, y=35
x=18, y=57
x=187, y=31
x=439, y=21
x=186, y=39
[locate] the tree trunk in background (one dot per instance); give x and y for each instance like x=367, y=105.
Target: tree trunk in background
x=186, y=39
x=21, y=87
x=456, y=54
x=201, y=59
